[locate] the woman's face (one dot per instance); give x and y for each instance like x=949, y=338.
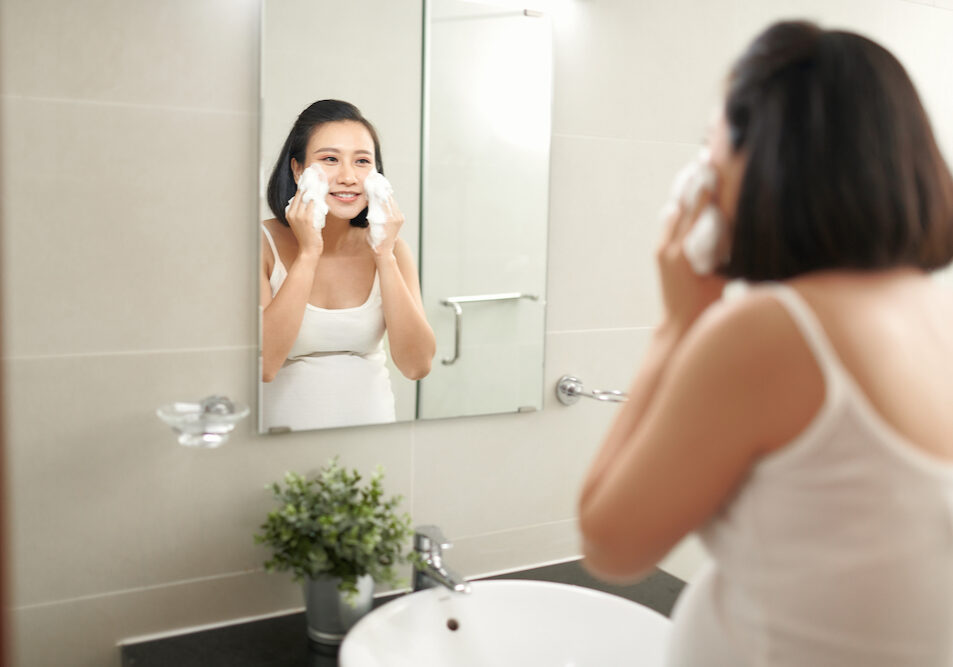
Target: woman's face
x=729, y=165
x=345, y=151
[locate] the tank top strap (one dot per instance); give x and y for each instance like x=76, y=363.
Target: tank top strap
x=809, y=326
x=278, y=272
x=271, y=243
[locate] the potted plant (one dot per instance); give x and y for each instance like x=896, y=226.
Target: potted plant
x=338, y=537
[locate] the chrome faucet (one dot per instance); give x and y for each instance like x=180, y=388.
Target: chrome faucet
x=430, y=571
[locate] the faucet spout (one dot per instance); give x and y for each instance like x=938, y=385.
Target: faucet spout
x=430, y=571
x=436, y=574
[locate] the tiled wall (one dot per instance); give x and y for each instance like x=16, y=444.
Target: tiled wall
x=129, y=148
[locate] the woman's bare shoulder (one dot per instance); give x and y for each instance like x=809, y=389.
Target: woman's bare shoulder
x=755, y=355
x=751, y=318
x=275, y=228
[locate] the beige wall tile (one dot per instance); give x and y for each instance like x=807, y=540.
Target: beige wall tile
x=618, y=64
x=175, y=53
x=752, y=16
x=685, y=559
x=492, y=553
x=127, y=228
x=604, y=226
x=507, y=471
x=105, y=485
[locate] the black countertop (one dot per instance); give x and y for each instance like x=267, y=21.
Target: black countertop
x=282, y=641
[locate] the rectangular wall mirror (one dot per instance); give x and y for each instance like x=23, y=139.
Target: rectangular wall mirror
x=460, y=95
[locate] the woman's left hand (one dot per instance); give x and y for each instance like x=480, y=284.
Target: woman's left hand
x=395, y=220
x=685, y=294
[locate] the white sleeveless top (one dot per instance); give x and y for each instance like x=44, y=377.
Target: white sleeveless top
x=335, y=373
x=836, y=552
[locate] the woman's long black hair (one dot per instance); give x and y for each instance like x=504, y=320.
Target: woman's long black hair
x=281, y=185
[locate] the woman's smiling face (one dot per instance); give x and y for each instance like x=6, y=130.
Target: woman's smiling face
x=345, y=152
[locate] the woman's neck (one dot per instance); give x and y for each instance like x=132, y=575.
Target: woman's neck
x=338, y=233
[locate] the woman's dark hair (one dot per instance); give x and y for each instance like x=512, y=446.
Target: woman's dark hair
x=843, y=170
x=281, y=185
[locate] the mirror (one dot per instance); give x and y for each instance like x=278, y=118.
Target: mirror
x=466, y=149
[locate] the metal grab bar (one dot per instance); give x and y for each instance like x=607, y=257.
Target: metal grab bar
x=569, y=389
x=455, y=301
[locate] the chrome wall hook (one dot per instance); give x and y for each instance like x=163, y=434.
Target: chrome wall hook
x=569, y=389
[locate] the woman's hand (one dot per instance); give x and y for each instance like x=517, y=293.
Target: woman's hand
x=395, y=220
x=685, y=294
x=300, y=218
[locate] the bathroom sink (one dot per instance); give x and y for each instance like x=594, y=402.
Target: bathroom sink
x=505, y=623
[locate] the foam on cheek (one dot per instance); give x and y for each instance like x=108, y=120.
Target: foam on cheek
x=703, y=243
x=313, y=184
x=378, y=190
x=694, y=177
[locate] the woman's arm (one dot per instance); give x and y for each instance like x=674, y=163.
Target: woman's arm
x=681, y=458
x=656, y=359
x=412, y=342
x=719, y=387
x=741, y=384
x=411, y=339
x=685, y=296
x=282, y=315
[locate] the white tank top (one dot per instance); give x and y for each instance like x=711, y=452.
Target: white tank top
x=336, y=373
x=836, y=552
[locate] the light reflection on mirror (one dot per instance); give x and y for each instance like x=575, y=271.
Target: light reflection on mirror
x=484, y=179
x=485, y=205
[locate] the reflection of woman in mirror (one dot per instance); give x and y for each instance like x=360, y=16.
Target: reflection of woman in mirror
x=802, y=427
x=327, y=296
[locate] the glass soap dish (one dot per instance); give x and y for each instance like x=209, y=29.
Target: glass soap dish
x=206, y=423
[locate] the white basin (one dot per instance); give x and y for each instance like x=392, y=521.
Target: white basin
x=505, y=623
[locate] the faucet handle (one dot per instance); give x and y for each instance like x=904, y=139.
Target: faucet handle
x=430, y=539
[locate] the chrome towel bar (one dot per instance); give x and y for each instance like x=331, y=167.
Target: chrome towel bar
x=569, y=389
x=455, y=301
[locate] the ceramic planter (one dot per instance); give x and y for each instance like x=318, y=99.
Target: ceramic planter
x=329, y=613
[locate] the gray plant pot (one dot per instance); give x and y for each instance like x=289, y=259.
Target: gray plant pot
x=329, y=614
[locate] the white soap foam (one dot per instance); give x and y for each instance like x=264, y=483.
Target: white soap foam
x=314, y=186
x=702, y=245
x=378, y=190
x=702, y=242
x=696, y=176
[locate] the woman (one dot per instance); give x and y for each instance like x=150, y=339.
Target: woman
x=803, y=428
x=327, y=295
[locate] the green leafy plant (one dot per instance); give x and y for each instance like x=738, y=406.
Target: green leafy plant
x=331, y=526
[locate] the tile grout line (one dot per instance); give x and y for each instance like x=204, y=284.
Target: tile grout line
x=609, y=330
x=513, y=530
x=126, y=105
x=137, y=589
x=599, y=137
x=130, y=353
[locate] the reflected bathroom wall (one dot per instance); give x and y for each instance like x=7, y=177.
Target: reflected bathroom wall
x=367, y=53
x=485, y=205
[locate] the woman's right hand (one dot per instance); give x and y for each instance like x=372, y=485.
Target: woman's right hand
x=300, y=218
x=685, y=294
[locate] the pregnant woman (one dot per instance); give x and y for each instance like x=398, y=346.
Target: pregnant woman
x=327, y=294
x=804, y=428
